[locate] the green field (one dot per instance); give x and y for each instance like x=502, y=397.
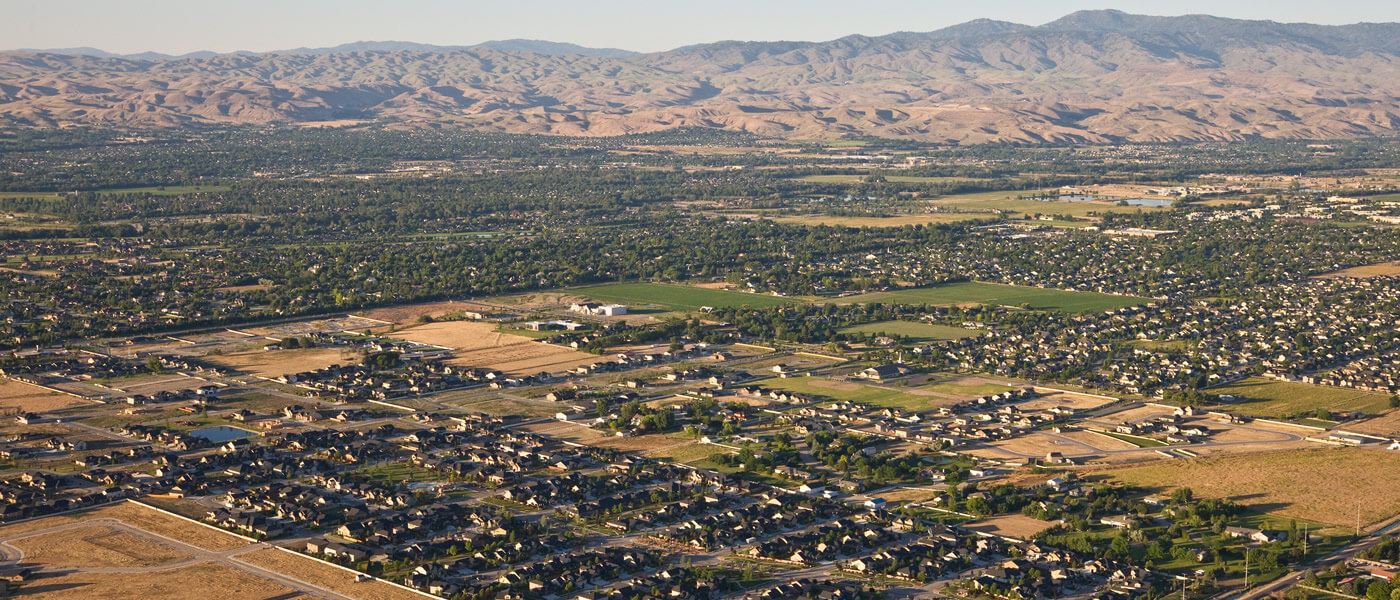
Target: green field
x=822, y=387
x=1009, y=202
x=914, y=331
x=168, y=190
x=1269, y=398
x=1005, y=295
x=677, y=297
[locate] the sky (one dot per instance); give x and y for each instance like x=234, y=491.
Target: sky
x=180, y=26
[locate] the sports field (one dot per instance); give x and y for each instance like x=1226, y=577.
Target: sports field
x=1269, y=398
x=677, y=297
x=914, y=331
x=973, y=292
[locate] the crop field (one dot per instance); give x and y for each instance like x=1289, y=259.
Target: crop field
x=677, y=297
x=273, y=363
x=95, y=546
x=28, y=398
x=1269, y=398
x=1327, y=485
x=914, y=331
x=972, y=292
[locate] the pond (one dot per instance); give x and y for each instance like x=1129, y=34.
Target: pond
x=222, y=433
x=1147, y=202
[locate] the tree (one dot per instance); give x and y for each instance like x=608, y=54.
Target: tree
x=153, y=364
x=1379, y=590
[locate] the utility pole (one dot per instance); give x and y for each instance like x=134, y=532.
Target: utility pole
x=1246, y=568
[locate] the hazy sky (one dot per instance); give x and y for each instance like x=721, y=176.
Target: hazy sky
x=178, y=26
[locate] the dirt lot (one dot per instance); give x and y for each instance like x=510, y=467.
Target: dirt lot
x=331, y=578
x=152, y=384
x=284, y=330
x=1364, y=271
x=1326, y=484
x=28, y=398
x=1387, y=424
x=199, y=582
x=410, y=313
x=1039, y=445
x=273, y=363
x=157, y=522
x=1020, y=527
x=1098, y=440
x=1065, y=399
x=96, y=546
x=525, y=358
x=1134, y=415
x=459, y=335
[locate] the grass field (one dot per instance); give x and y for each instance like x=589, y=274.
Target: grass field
x=914, y=331
x=894, y=221
x=1269, y=398
x=972, y=292
x=1325, y=485
x=1365, y=271
x=913, y=399
x=677, y=297
x=1009, y=202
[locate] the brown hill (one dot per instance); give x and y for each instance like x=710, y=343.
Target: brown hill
x=1091, y=77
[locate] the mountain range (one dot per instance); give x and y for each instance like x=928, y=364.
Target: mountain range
x=1090, y=77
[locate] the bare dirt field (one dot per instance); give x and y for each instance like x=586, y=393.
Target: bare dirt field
x=1038, y=445
x=1098, y=440
x=1386, y=424
x=199, y=582
x=284, y=330
x=1067, y=399
x=1020, y=527
x=1134, y=415
x=410, y=313
x=28, y=398
x=1365, y=271
x=95, y=546
x=460, y=335
x=1327, y=485
x=160, y=523
x=525, y=358
x=910, y=494
x=152, y=384
x=326, y=576
x=273, y=363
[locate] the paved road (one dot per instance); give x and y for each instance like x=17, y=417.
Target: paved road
x=13, y=555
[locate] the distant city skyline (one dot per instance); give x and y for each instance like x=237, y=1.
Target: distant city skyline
x=178, y=27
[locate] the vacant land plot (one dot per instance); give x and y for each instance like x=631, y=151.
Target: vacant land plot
x=153, y=384
x=1020, y=527
x=190, y=583
x=1066, y=400
x=913, y=331
x=460, y=335
x=972, y=292
x=1269, y=398
x=1036, y=444
x=1365, y=271
x=968, y=387
x=160, y=523
x=29, y=398
x=677, y=297
x=1325, y=485
x=318, y=573
x=273, y=363
x=299, y=328
x=96, y=546
x=524, y=358
x=1386, y=424
x=687, y=452
x=410, y=313
x=1099, y=440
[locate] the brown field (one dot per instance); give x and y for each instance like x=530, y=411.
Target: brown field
x=1386, y=424
x=95, y=546
x=525, y=358
x=1134, y=415
x=326, y=576
x=409, y=313
x=199, y=582
x=1327, y=485
x=151, y=384
x=1365, y=271
x=1097, y=440
x=332, y=325
x=1039, y=445
x=160, y=523
x=1071, y=400
x=1020, y=527
x=899, y=221
x=460, y=335
x=273, y=363
x=911, y=494
x=28, y=398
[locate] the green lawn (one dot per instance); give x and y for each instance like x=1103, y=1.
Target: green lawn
x=168, y=190
x=1268, y=398
x=914, y=331
x=1005, y=295
x=822, y=387
x=1140, y=442
x=677, y=297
